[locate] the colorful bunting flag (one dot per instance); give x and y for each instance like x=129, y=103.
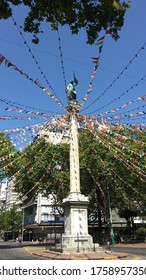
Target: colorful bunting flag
x=101, y=38
x=100, y=41
x=95, y=60
x=108, y=31
x=100, y=49
x=1, y=58
x=144, y=98
x=8, y=64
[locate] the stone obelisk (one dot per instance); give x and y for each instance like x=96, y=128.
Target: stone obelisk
x=75, y=237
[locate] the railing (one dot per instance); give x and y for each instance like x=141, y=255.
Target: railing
x=53, y=242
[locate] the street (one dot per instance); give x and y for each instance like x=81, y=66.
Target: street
x=141, y=252
x=10, y=250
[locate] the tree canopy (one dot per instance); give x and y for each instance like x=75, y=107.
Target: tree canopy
x=8, y=153
x=93, y=16
x=11, y=220
x=105, y=164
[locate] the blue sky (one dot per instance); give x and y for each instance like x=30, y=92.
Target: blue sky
x=76, y=55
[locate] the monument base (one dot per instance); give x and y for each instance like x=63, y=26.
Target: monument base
x=76, y=238
x=77, y=244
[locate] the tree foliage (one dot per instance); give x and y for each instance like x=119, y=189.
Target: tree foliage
x=93, y=16
x=8, y=153
x=44, y=167
x=11, y=220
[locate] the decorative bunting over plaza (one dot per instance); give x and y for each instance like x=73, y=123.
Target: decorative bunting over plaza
x=35, y=81
x=120, y=140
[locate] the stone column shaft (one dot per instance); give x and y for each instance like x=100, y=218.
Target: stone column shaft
x=74, y=156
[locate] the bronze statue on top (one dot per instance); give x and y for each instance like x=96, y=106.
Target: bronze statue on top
x=71, y=89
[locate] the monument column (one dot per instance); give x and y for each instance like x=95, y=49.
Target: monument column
x=75, y=237
x=74, y=156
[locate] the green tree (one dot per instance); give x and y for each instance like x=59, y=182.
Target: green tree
x=128, y=215
x=44, y=167
x=93, y=16
x=11, y=220
x=8, y=153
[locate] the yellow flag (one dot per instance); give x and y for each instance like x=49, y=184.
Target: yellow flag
x=117, y=5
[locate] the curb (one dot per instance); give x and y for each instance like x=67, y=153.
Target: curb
x=54, y=256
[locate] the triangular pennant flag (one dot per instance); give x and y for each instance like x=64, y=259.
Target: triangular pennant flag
x=100, y=49
x=1, y=58
x=8, y=63
x=95, y=59
x=108, y=31
x=144, y=98
x=101, y=38
x=99, y=43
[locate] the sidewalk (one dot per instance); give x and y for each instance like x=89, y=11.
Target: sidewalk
x=131, y=245
x=103, y=254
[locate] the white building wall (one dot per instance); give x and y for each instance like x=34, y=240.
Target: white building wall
x=11, y=195
x=8, y=195
x=3, y=189
x=45, y=209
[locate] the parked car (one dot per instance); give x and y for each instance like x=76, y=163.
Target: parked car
x=7, y=235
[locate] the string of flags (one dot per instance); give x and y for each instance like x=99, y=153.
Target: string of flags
x=14, y=107
x=112, y=128
x=111, y=172
x=95, y=60
x=22, y=135
x=117, y=153
x=118, y=143
x=140, y=98
x=123, y=93
x=116, y=79
x=36, y=82
x=102, y=137
x=21, y=110
x=4, y=118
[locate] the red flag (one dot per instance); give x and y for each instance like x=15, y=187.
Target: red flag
x=100, y=39
x=1, y=58
x=108, y=32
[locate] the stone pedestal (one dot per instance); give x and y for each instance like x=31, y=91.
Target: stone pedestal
x=76, y=238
